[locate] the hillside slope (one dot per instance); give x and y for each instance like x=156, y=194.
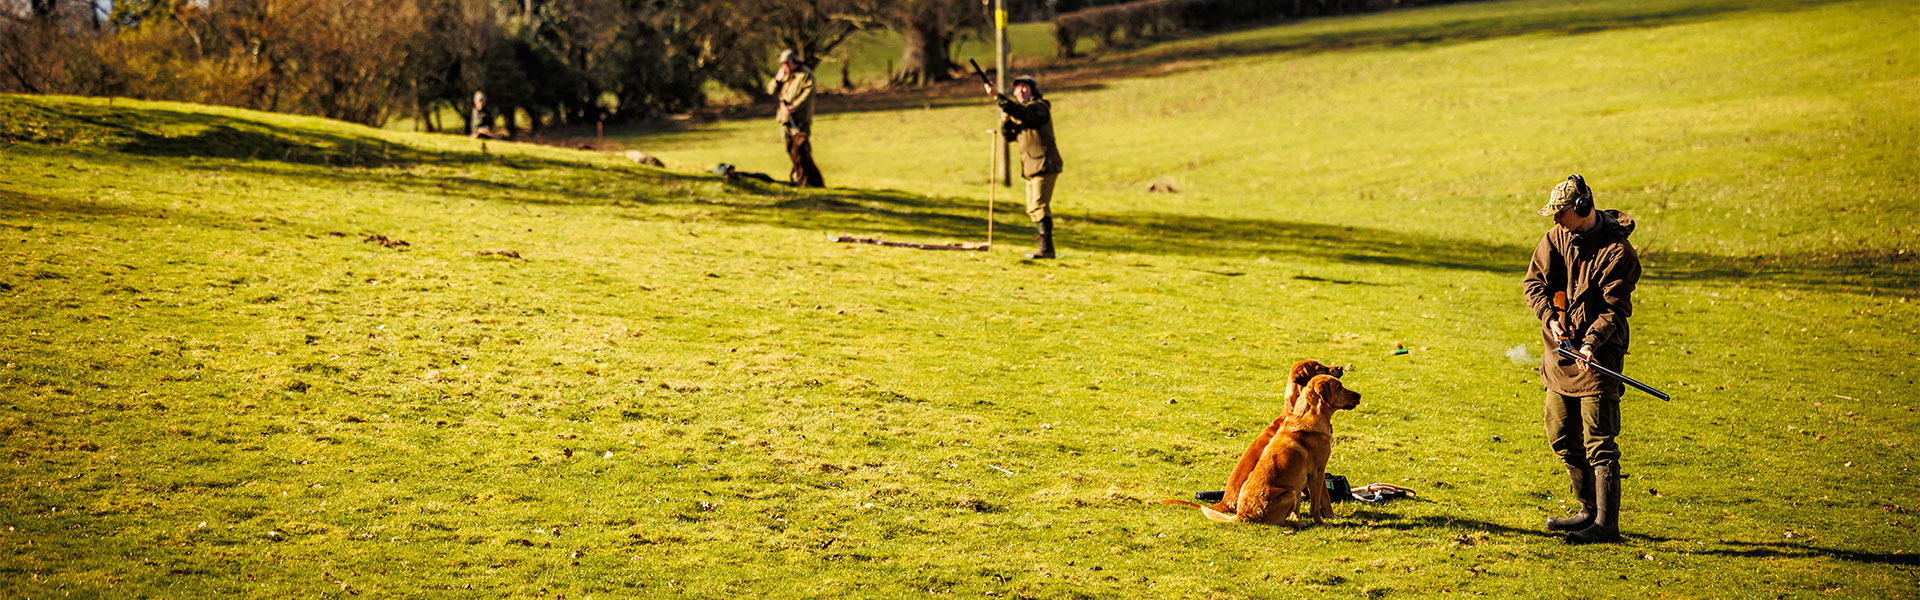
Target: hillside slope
x=223, y=373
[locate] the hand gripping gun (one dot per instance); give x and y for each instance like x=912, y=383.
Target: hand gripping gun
x=1004, y=132
x=1567, y=350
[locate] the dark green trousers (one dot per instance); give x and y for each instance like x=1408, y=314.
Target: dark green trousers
x=1581, y=428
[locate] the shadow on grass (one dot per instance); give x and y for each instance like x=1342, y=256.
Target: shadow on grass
x=168, y=133
x=907, y=217
x=1368, y=518
x=1785, y=550
x=35, y=207
x=902, y=216
x=319, y=156
x=287, y=152
x=531, y=183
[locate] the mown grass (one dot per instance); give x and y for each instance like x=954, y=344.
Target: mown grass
x=679, y=389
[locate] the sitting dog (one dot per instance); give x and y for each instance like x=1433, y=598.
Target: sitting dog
x=1295, y=460
x=1302, y=372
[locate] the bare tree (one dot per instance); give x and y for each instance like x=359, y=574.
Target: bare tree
x=351, y=56
x=46, y=48
x=813, y=28
x=930, y=27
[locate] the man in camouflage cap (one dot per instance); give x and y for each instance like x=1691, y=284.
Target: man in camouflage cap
x=1587, y=256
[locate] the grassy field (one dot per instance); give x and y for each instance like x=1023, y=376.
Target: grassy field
x=583, y=378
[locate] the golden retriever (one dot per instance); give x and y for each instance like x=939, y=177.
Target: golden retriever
x=1294, y=460
x=1297, y=378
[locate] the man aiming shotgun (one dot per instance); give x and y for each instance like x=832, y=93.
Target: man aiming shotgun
x=1027, y=118
x=1580, y=285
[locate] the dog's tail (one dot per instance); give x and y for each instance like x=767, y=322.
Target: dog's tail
x=1209, y=511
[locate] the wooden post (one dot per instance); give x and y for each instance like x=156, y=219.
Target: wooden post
x=994, y=140
x=1000, y=82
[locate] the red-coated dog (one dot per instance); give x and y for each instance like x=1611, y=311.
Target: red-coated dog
x=1297, y=379
x=1295, y=460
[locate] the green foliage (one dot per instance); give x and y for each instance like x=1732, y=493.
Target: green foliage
x=581, y=377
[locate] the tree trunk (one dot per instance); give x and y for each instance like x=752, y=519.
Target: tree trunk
x=925, y=58
x=44, y=10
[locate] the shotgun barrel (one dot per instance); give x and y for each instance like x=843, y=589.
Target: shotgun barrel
x=1566, y=350
x=977, y=71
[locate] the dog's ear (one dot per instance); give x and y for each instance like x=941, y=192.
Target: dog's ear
x=1307, y=395
x=1337, y=396
x=1327, y=384
x=1322, y=388
x=1304, y=371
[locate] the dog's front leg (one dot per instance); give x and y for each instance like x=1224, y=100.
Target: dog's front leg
x=1317, y=502
x=1324, y=507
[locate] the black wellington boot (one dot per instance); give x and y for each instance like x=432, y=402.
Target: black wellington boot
x=1581, y=481
x=1606, y=519
x=1043, y=237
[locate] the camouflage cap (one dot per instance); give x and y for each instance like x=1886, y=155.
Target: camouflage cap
x=1565, y=195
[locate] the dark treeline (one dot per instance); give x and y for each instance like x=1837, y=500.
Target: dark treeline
x=1111, y=23
x=554, y=62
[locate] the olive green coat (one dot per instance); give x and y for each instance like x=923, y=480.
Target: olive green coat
x=1031, y=125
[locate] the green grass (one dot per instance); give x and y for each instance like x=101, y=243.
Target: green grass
x=679, y=389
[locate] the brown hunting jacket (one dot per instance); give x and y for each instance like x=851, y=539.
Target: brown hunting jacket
x=1031, y=125
x=1599, y=270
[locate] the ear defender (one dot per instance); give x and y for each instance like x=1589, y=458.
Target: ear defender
x=1583, y=196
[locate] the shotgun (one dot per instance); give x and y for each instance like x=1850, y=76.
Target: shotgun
x=977, y=71
x=1004, y=133
x=1566, y=350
